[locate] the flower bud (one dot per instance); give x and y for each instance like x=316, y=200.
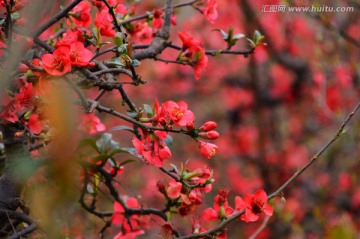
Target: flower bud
x=209, y=135
x=164, y=152
x=161, y=187
x=208, y=150
x=210, y=125
x=19, y=134
x=190, y=126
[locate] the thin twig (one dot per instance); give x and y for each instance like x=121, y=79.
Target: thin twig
x=278, y=192
x=259, y=229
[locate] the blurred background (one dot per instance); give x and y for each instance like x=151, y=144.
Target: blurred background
x=274, y=109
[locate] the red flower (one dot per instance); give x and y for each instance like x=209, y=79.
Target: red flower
x=79, y=55
x=143, y=33
x=208, y=150
x=157, y=20
x=153, y=149
x=188, y=41
x=210, y=11
x=2, y=46
x=35, y=125
x=104, y=22
x=129, y=235
x=129, y=229
x=221, y=208
x=254, y=205
x=22, y=100
x=174, y=189
x=25, y=95
x=200, y=176
x=210, y=125
x=81, y=14
x=118, y=217
x=69, y=37
x=58, y=63
x=175, y=113
x=193, y=53
x=201, y=63
x=173, y=19
x=209, y=135
x=91, y=124
x=121, y=8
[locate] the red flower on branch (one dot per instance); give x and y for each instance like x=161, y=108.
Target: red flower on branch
x=118, y=217
x=131, y=224
x=210, y=125
x=70, y=37
x=129, y=235
x=104, y=22
x=58, y=63
x=188, y=41
x=35, y=124
x=201, y=61
x=153, y=149
x=193, y=53
x=81, y=14
x=208, y=150
x=174, y=189
x=157, y=20
x=254, y=205
x=79, y=55
x=210, y=11
x=91, y=124
x=175, y=113
x=221, y=209
x=22, y=100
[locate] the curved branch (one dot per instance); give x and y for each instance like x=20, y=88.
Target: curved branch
x=278, y=192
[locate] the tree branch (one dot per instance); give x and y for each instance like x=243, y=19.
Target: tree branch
x=278, y=192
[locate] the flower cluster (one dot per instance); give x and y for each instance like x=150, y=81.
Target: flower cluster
x=131, y=225
x=253, y=206
x=70, y=53
x=153, y=148
x=193, y=53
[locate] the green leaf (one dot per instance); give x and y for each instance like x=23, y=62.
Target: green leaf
x=123, y=127
x=117, y=61
x=112, y=162
x=223, y=33
x=258, y=37
x=105, y=143
x=127, y=161
x=132, y=151
x=90, y=189
x=238, y=36
x=104, y=43
x=148, y=110
x=122, y=49
x=96, y=182
x=101, y=157
x=135, y=63
x=88, y=142
x=168, y=140
x=117, y=151
x=175, y=169
x=15, y=16
x=132, y=113
x=252, y=44
x=118, y=39
x=29, y=55
x=2, y=21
